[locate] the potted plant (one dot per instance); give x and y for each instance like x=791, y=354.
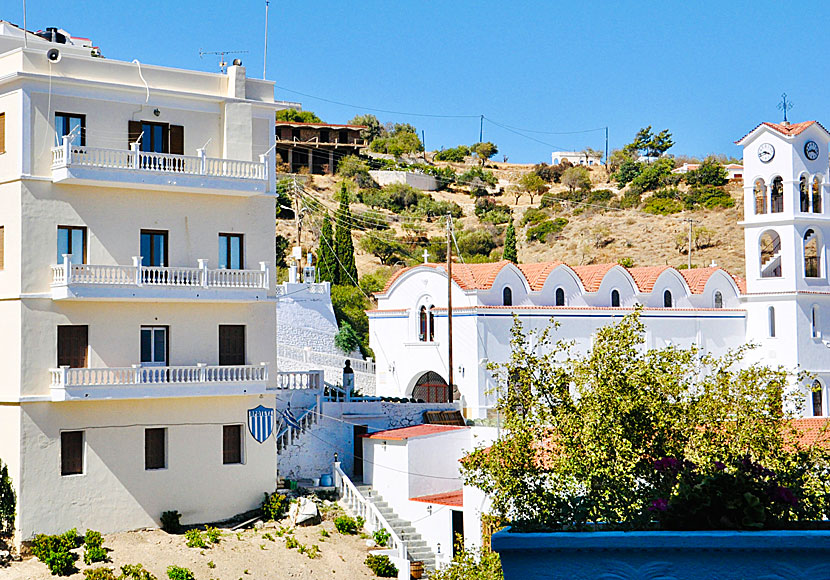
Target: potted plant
x=663, y=463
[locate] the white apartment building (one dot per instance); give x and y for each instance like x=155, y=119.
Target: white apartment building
x=136, y=287
x=783, y=306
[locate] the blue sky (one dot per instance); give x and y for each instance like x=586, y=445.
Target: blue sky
x=707, y=71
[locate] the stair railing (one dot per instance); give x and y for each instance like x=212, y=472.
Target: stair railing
x=360, y=506
x=289, y=433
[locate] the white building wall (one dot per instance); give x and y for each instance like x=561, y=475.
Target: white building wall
x=417, y=180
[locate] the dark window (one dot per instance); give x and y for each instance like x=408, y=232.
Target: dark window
x=70, y=124
x=718, y=299
x=432, y=388
x=358, y=431
x=667, y=301
x=296, y=134
x=344, y=137
x=154, y=345
x=157, y=138
x=73, y=346
x=155, y=448
x=431, y=323
x=615, y=298
x=817, y=402
x=816, y=195
x=230, y=251
x=771, y=321
x=153, y=248
x=72, y=452
x=154, y=138
x=805, y=194
x=423, y=328
x=777, y=195
x=231, y=344
x=560, y=297
x=231, y=444
x=811, y=255
x=72, y=240
x=507, y=296
x=324, y=137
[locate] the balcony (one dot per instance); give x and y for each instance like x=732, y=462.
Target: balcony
x=135, y=169
x=137, y=282
x=137, y=382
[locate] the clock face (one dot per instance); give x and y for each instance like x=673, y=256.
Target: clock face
x=811, y=150
x=766, y=152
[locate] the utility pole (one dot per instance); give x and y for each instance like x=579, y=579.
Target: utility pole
x=296, y=191
x=265, y=50
x=424, y=143
x=449, y=303
x=691, y=221
x=481, y=129
x=606, y=148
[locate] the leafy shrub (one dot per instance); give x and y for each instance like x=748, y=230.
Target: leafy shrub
x=381, y=565
x=488, y=210
x=577, y=178
x=657, y=174
x=550, y=200
x=541, y=231
x=213, y=535
x=429, y=207
x=402, y=139
x=628, y=170
x=291, y=542
x=100, y=574
x=709, y=196
x=135, y=572
x=626, y=262
x=170, y=522
x=486, y=177
x=8, y=502
x=346, y=339
x=552, y=173
x=710, y=172
x=455, y=154
x=371, y=219
x=313, y=551
x=195, y=539
x=352, y=165
x=381, y=536
x=274, y=506
x=94, y=547
x=324, y=534
x=631, y=198
x=346, y=525
x=534, y=216
x=600, y=196
x=178, y=573
x=477, y=242
x=471, y=565
x=294, y=116
x=54, y=551
x=662, y=206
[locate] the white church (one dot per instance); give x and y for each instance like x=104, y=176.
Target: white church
x=783, y=306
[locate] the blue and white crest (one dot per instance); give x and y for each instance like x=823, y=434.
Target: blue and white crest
x=261, y=423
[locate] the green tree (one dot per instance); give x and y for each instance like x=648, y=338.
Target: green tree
x=647, y=143
x=471, y=565
x=327, y=268
x=456, y=154
x=387, y=249
x=510, y=252
x=402, y=138
x=346, y=338
x=655, y=175
x=589, y=154
x=576, y=178
x=8, y=502
x=343, y=245
x=294, y=116
x=534, y=185
x=710, y=172
x=350, y=305
x=373, y=128
x=484, y=151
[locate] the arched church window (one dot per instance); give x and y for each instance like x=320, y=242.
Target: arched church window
x=431, y=323
x=718, y=299
x=615, y=298
x=560, y=297
x=771, y=321
x=667, y=302
x=814, y=327
x=760, y=197
x=818, y=409
x=804, y=192
x=811, y=255
x=817, y=194
x=507, y=296
x=422, y=324
x=770, y=254
x=776, y=198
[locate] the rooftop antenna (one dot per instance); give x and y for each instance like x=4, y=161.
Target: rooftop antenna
x=25, y=34
x=223, y=66
x=785, y=106
x=265, y=50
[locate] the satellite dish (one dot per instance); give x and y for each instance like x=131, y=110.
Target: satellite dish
x=53, y=55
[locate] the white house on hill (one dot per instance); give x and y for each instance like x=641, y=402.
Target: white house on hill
x=783, y=306
x=575, y=158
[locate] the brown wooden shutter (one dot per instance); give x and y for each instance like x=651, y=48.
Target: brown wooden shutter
x=231, y=444
x=72, y=452
x=176, y=139
x=2, y=247
x=73, y=343
x=133, y=131
x=154, y=449
x=231, y=344
x=2, y=132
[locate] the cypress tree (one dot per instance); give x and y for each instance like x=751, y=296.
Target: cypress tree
x=510, y=244
x=343, y=246
x=327, y=269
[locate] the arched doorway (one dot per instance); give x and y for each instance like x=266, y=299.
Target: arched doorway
x=432, y=388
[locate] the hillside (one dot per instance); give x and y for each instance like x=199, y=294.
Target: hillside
x=595, y=232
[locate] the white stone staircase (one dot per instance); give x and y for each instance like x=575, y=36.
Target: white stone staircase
x=288, y=434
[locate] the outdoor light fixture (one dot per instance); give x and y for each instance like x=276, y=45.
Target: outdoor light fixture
x=156, y=112
x=439, y=548
x=429, y=509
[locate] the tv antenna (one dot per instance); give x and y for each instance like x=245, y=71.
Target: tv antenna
x=223, y=65
x=785, y=106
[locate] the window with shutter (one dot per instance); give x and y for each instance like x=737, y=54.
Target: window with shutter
x=133, y=132
x=72, y=452
x=155, y=448
x=2, y=132
x=231, y=344
x=176, y=139
x=73, y=345
x=231, y=444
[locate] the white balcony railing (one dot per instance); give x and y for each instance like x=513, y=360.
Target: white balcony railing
x=299, y=380
x=68, y=155
x=65, y=377
x=67, y=274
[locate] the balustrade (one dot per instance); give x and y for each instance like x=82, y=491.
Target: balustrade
x=64, y=377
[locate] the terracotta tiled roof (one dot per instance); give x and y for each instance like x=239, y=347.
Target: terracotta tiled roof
x=740, y=282
x=790, y=130
x=404, y=433
x=646, y=276
x=467, y=276
x=450, y=498
x=697, y=278
x=813, y=430
x=592, y=275
x=538, y=273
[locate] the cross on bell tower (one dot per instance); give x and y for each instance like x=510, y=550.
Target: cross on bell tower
x=785, y=106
